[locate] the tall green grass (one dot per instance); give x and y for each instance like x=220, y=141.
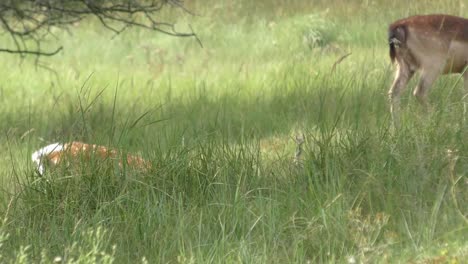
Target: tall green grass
x=219, y=125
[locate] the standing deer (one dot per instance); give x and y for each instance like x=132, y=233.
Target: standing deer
x=432, y=44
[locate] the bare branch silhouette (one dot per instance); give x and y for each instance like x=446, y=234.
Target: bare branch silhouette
x=28, y=22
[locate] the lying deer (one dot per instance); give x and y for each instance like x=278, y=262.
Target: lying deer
x=75, y=152
x=432, y=44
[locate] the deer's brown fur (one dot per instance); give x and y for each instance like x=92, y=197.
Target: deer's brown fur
x=73, y=153
x=431, y=44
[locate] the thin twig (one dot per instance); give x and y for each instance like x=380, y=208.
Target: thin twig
x=32, y=52
x=338, y=62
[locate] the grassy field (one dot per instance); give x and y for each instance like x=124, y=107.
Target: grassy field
x=221, y=125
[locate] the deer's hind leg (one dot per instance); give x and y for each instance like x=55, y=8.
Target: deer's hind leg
x=402, y=77
x=465, y=95
x=428, y=77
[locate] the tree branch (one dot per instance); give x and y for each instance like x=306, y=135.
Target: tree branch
x=32, y=52
x=32, y=20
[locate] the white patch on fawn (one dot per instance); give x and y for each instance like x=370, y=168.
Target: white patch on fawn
x=38, y=156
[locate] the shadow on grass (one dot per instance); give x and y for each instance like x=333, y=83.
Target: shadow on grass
x=235, y=116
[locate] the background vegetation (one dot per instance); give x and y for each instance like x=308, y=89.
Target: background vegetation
x=222, y=124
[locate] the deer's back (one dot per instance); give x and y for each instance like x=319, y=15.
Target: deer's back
x=434, y=41
x=450, y=27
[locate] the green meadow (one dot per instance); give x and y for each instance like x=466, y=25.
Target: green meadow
x=270, y=143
